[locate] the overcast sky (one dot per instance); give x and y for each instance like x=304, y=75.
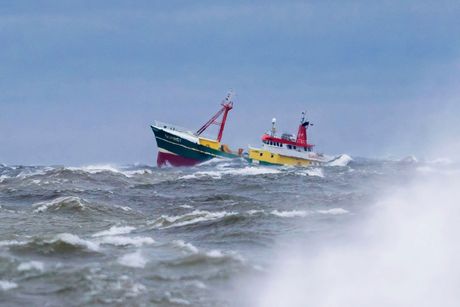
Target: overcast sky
x=80, y=81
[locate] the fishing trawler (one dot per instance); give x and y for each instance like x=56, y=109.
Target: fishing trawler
x=287, y=149
x=182, y=147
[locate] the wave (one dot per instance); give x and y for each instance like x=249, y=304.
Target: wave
x=195, y=255
x=71, y=203
x=11, y=243
x=31, y=265
x=292, y=213
x=110, y=168
x=61, y=243
x=6, y=285
x=343, y=160
x=133, y=260
x=246, y=171
x=409, y=159
x=313, y=172
x=194, y=217
x=333, y=211
x=304, y=213
x=124, y=241
x=114, y=230
x=95, y=169
x=185, y=246
x=74, y=241
x=30, y=172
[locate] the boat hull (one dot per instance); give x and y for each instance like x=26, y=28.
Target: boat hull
x=175, y=150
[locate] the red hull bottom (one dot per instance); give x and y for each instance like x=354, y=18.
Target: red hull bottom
x=165, y=158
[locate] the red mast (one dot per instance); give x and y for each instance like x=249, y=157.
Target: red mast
x=302, y=133
x=227, y=105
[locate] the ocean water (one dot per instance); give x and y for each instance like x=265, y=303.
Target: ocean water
x=360, y=232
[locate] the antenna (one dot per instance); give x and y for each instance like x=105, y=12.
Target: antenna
x=273, y=127
x=302, y=120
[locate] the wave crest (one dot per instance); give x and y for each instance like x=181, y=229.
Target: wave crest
x=70, y=203
x=194, y=217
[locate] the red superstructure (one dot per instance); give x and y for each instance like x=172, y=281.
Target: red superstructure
x=300, y=142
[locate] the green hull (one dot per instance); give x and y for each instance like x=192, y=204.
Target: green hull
x=185, y=150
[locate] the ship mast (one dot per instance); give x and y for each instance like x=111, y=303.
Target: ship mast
x=227, y=105
x=302, y=132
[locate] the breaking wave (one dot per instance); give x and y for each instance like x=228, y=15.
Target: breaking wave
x=343, y=160
x=133, y=260
x=109, y=168
x=195, y=255
x=246, y=171
x=194, y=217
x=313, y=172
x=61, y=243
x=31, y=265
x=6, y=285
x=293, y=213
x=333, y=211
x=124, y=241
x=115, y=230
x=70, y=203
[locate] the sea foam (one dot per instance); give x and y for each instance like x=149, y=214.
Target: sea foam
x=68, y=202
x=114, y=230
x=31, y=265
x=133, y=260
x=6, y=285
x=292, y=213
x=343, y=160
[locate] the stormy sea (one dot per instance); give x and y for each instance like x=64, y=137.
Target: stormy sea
x=357, y=232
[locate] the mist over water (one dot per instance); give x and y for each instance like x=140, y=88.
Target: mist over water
x=402, y=252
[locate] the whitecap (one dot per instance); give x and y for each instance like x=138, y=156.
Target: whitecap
x=253, y=212
x=197, y=284
x=313, y=172
x=196, y=216
x=187, y=246
x=292, y=213
x=29, y=173
x=215, y=253
x=114, y=230
x=31, y=265
x=123, y=241
x=124, y=208
x=58, y=203
x=409, y=159
x=133, y=260
x=333, y=211
x=95, y=169
x=343, y=160
x=12, y=243
x=75, y=240
x=6, y=285
x=246, y=171
x=178, y=301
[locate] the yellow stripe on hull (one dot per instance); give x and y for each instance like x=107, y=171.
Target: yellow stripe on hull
x=267, y=157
